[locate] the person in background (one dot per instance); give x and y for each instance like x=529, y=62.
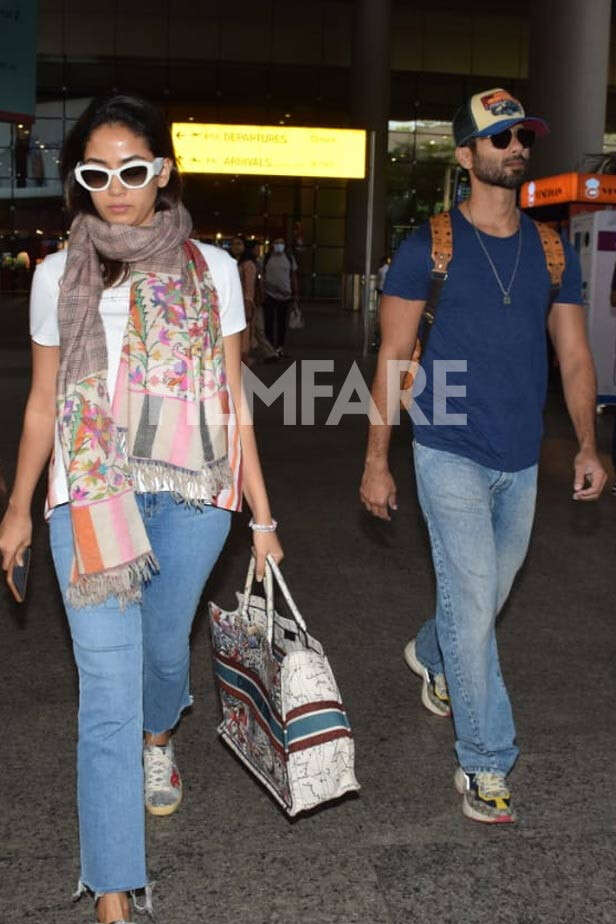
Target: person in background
x=237, y=247
x=261, y=348
x=136, y=387
x=381, y=275
x=257, y=257
x=255, y=345
x=280, y=285
x=248, y=278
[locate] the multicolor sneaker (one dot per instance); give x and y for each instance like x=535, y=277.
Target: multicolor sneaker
x=434, y=693
x=163, y=785
x=486, y=796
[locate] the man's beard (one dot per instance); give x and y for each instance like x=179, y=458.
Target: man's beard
x=496, y=175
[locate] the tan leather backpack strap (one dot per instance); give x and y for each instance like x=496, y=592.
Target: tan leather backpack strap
x=554, y=254
x=442, y=242
x=442, y=252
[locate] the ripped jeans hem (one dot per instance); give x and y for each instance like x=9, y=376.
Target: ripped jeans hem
x=161, y=731
x=145, y=908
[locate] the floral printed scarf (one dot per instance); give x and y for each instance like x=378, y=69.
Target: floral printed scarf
x=166, y=427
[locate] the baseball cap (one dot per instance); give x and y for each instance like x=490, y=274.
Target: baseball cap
x=490, y=112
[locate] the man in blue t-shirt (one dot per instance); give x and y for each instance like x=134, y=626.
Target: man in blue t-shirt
x=477, y=416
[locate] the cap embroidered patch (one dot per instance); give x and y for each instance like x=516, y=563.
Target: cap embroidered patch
x=501, y=103
x=490, y=112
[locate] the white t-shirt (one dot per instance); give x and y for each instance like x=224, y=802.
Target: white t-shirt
x=114, y=308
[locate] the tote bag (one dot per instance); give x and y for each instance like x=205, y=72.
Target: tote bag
x=282, y=713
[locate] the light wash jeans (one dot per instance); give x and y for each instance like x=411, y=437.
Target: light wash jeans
x=133, y=676
x=479, y=522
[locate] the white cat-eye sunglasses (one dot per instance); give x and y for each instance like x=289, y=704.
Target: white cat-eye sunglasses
x=134, y=175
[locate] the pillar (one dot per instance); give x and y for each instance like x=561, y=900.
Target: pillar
x=568, y=73
x=369, y=105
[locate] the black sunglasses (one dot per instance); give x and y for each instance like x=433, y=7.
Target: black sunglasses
x=502, y=140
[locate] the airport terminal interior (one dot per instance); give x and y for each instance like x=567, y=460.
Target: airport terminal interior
x=283, y=62
x=399, y=851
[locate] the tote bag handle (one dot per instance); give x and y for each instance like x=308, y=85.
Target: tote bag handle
x=271, y=571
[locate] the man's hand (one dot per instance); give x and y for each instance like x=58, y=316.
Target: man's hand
x=378, y=490
x=399, y=322
x=567, y=329
x=590, y=476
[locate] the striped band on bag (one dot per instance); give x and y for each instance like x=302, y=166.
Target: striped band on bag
x=305, y=727
x=245, y=685
x=315, y=723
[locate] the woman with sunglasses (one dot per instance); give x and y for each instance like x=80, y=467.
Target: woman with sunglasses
x=140, y=327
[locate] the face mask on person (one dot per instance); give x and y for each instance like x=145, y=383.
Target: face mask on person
x=278, y=248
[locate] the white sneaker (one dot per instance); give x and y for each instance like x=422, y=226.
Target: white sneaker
x=163, y=784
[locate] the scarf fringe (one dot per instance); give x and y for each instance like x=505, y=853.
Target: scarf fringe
x=195, y=488
x=123, y=582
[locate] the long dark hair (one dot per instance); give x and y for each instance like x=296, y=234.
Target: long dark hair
x=146, y=121
x=249, y=252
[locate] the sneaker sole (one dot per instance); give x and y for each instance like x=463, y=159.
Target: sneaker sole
x=417, y=667
x=468, y=810
x=160, y=811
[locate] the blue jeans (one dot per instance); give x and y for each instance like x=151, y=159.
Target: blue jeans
x=479, y=521
x=133, y=676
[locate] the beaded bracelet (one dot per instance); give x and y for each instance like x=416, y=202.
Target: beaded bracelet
x=263, y=527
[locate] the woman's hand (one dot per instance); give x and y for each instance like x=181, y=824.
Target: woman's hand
x=15, y=537
x=264, y=544
x=35, y=445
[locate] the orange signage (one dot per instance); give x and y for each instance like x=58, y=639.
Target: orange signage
x=569, y=187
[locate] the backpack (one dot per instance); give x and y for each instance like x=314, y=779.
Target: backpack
x=442, y=252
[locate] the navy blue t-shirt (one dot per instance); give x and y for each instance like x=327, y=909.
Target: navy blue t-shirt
x=504, y=345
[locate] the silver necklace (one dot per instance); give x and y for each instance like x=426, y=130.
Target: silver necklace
x=505, y=291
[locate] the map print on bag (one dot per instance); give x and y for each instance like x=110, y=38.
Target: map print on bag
x=282, y=710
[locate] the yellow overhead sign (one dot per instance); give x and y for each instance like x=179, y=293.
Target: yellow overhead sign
x=270, y=150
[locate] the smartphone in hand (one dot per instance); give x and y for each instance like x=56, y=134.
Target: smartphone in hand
x=17, y=577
